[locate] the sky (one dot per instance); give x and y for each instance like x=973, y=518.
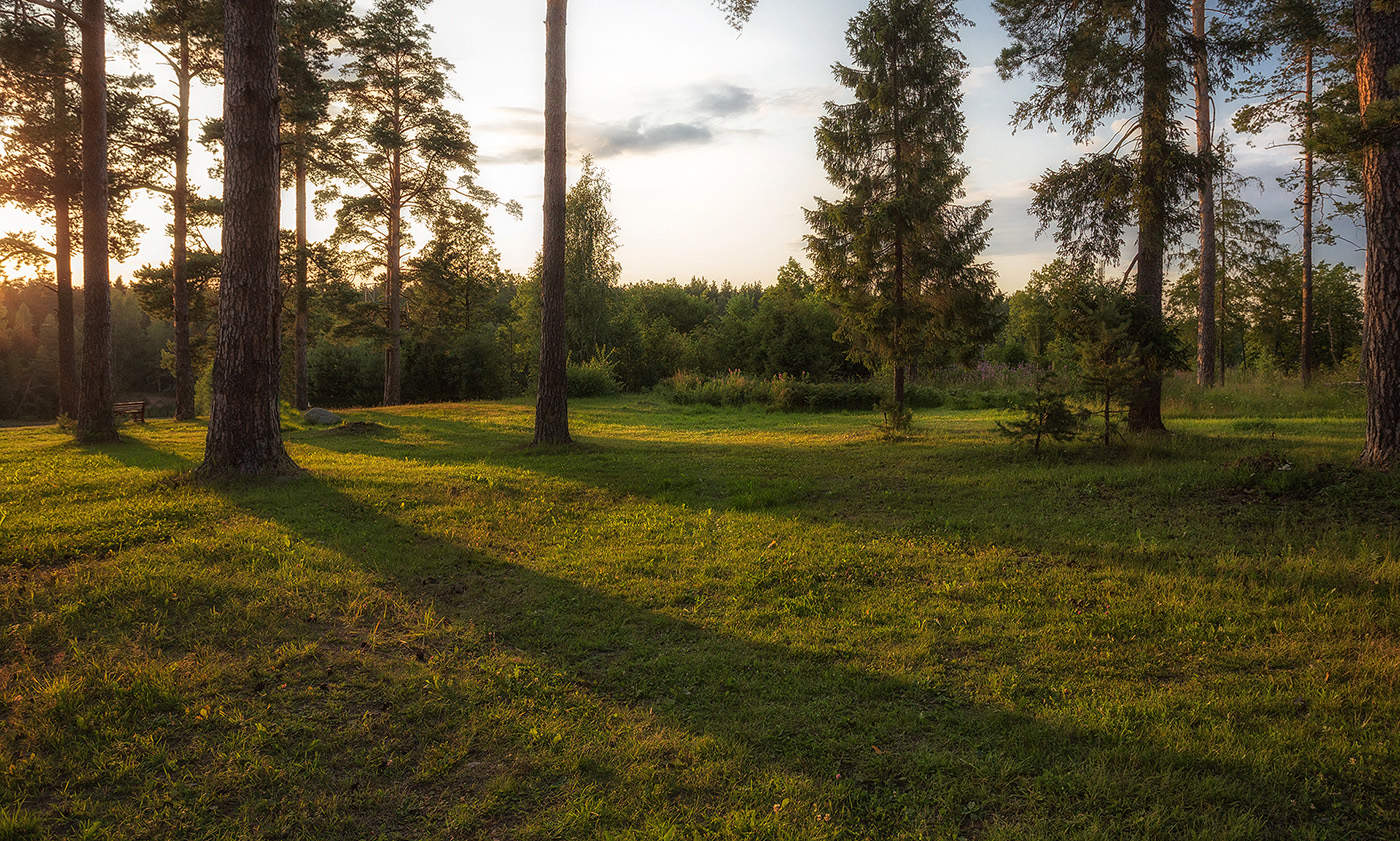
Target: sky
x=706, y=133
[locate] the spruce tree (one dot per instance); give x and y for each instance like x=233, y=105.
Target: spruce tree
x=898, y=252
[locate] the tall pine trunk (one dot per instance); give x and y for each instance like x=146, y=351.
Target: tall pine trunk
x=1378, y=42
x=1222, y=281
x=180, y=201
x=1145, y=408
x=1306, y=342
x=303, y=398
x=899, y=354
x=393, y=348
x=63, y=237
x=552, y=403
x=1206, y=333
x=245, y=432
x=96, y=422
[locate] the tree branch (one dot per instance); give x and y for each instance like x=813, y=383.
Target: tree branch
x=78, y=19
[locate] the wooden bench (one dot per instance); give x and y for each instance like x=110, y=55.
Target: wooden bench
x=135, y=410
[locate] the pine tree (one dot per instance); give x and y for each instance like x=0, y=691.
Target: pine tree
x=245, y=425
x=1244, y=241
x=1309, y=38
x=185, y=35
x=1093, y=63
x=310, y=33
x=96, y=423
x=1378, y=85
x=552, y=397
x=39, y=166
x=1206, y=332
x=898, y=252
x=396, y=139
x=55, y=158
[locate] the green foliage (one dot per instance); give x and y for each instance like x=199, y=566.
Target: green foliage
x=1274, y=310
x=596, y=377
x=29, y=350
x=309, y=32
x=793, y=394
x=897, y=254
x=1091, y=64
x=1108, y=364
x=40, y=142
x=779, y=393
x=401, y=153
x=1261, y=395
x=898, y=419
x=591, y=270
x=1046, y=414
x=1088, y=331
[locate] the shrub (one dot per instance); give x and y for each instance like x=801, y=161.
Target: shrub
x=899, y=419
x=595, y=378
x=788, y=394
x=733, y=389
x=1046, y=413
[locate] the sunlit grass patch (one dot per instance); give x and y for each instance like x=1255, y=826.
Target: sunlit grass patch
x=723, y=624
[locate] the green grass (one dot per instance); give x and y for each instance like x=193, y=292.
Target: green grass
x=703, y=623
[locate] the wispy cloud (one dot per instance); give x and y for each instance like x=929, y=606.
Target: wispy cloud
x=694, y=116
x=722, y=99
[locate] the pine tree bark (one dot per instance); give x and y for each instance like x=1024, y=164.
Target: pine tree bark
x=552, y=402
x=180, y=201
x=1305, y=355
x=96, y=423
x=245, y=432
x=1145, y=407
x=393, y=348
x=63, y=238
x=1206, y=335
x=1378, y=42
x=303, y=316
x=1222, y=281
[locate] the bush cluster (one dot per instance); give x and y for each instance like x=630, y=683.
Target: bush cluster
x=788, y=394
x=595, y=378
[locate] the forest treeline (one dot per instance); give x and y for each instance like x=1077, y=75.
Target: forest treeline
x=348, y=109
x=638, y=336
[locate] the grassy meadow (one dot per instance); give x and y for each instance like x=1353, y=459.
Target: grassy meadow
x=703, y=623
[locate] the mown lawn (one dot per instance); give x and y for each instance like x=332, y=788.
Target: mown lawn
x=700, y=624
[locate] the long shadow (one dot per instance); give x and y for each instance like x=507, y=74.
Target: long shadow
x=141, y=454
x=963, y=491
x=911, y=756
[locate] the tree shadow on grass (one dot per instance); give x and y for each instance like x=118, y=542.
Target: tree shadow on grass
x=1088, y=507
x=141, y=454
x=912, y=758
